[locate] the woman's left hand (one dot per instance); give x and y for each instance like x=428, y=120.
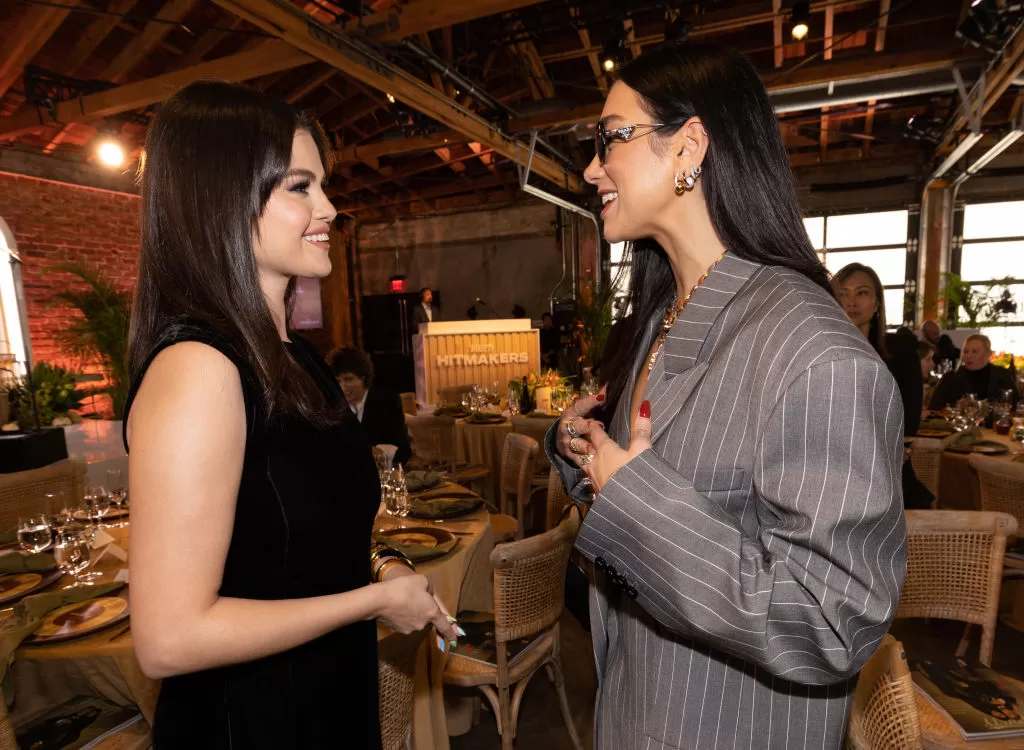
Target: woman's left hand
x=609, y=457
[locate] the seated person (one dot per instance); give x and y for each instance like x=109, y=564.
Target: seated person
x=944, y=349
x=549, y=342
x=378, y=409
x=976, y=375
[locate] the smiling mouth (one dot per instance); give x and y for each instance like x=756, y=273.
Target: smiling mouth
x=608, y=198
x=317, y=237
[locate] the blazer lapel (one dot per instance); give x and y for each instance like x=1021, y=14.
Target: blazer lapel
x=677, y=370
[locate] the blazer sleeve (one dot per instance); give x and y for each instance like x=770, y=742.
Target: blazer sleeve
x=808, y=596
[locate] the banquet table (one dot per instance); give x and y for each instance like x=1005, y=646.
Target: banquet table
x=482, y=444
x=958, y=484
x=104, y=663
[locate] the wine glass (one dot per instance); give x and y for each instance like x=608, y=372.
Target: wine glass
x=34, y=533
x=72, y=552
x=97, y=505
x=513, y=403
x=118, y=493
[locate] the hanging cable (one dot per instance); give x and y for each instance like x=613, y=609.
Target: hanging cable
x=145, y=19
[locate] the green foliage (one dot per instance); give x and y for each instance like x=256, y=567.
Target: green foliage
x=101, y=334
x=594, y=315
x=54, y=392
x=980, y=304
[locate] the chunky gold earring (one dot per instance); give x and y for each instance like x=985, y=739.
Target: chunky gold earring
x=680, y=186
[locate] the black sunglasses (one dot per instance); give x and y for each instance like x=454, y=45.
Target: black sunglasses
x=621, y=135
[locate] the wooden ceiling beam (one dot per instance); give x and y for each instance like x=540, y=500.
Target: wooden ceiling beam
x=494, y=198
x=296, y=29
x=21, y=43
x=311, y=84
x=634, y=47
x=440, y=191
x=777, y=21
x=150, y=36
x=590, y=53
x=883, y=24
x=97, y=31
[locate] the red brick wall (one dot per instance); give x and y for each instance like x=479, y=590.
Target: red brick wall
x=55, y=222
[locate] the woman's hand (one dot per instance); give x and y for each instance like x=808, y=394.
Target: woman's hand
x=574, y=427
x=408, y=604
x=609, y=457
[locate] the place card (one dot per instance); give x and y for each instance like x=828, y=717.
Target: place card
x=122, y=575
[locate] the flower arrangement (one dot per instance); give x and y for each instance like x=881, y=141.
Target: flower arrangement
x=547, y=379
x=53, y=395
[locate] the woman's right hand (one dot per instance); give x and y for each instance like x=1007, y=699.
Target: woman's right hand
x=408, y=604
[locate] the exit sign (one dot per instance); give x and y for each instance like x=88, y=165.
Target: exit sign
x=398, y=284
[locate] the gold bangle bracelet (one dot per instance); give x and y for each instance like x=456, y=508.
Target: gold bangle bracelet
x=388, y=563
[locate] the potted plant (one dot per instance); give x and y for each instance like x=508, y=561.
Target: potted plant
x=46, y=399
x=101, y=333
x=594, y=317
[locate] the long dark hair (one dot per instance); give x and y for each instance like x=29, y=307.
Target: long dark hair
x=214, y=154
x=876, y=333
x=746, y=181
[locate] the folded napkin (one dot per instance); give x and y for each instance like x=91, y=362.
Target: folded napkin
x=417, y=551
x=37, y=563
x=27, y=615
x=417, y=481
x=936, y=423
x=439, y=507
x=962, y=440
x=446, y=489
x=449, y=411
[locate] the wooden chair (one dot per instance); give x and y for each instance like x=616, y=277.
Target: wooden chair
x=529, y=591
x=408, y=403
x=1001, y=485
x=954, y=569
x=518, y=459
x=926, y=458
x=452, y=394
x=434, y=444
x=24, y=492
x=396, y=669
x=884, y=709
x=537, y=429
x=557, y=501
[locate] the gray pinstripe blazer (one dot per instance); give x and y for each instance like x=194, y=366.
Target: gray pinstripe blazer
x=753, y=559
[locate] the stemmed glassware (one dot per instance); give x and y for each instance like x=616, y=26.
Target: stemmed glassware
x=34, y=533
x=395, y=493
x=97, y=505
x=72, y=552
x=118, y=493
x=513, y=402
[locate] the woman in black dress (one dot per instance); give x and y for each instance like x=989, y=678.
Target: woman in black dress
x=254, y=592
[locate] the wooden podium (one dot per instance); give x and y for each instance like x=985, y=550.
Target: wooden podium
x=472, y=352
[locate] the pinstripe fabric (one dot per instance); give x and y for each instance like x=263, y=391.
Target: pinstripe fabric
x=763, y=533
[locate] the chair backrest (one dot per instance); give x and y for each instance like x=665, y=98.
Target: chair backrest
x=954, y=568
x=1001, y=485
x=926, y=458
x=433, y=438
x=529, y=581
x=518, y=461
x=395, y=669
x=884, y=711
x=537, y=429
x=558, y=500
x=408, y=403
x=452, y=394
x=24, y=492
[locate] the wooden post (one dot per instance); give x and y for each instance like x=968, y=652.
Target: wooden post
x=936, y=232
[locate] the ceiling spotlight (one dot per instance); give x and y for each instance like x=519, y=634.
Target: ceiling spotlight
x=800, y=18
x=391, y=98
x=111, y=153
x=613, y=54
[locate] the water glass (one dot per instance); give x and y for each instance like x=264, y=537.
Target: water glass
x=97, y=505
x=34, y=533
x=72, y=552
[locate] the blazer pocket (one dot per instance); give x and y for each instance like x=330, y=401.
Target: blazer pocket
x=709, y=481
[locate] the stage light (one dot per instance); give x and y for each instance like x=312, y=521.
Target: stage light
x=111, y=153
x=800, y=18
x=609, y=64
x=391, y=98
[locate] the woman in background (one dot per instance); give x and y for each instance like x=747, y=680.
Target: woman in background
x=253, y=490
x=861, y=294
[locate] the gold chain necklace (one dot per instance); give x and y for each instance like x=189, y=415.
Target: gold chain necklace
x=672, y=314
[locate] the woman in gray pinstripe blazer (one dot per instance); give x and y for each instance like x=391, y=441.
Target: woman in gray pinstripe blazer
x=744, y=466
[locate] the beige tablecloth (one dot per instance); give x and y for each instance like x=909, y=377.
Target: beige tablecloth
x=482, y=444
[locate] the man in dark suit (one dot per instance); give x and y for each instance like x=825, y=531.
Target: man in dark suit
x=976, y=375
x=377, y=409
x=944, y=349
x=425, y=312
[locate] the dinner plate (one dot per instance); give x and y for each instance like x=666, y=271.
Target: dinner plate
x=77, y=620
x=16, y=585
x=989, y=447
x=485, y=419
x=429, y=542
x=925, y=432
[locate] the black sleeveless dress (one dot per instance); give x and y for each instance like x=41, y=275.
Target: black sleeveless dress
x=302, y=528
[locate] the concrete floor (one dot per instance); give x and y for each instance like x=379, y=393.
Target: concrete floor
x=540, y=722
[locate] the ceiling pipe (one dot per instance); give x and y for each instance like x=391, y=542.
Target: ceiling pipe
x=982, y=161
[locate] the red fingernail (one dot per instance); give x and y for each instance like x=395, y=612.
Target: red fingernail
x=645, y=410
x=600, y=397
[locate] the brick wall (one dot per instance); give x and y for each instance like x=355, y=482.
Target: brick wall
x=55, y=222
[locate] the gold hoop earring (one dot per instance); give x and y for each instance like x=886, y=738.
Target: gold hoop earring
x=680, y=186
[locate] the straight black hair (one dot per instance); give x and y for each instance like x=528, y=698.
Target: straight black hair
x=877, y=331
x=214, y=154
x=747, y=181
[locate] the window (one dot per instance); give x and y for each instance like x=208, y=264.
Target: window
x=877, y=240
x=620, y=274
x=993, y=250
x=12, y=342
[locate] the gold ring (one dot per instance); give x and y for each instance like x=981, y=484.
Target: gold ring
x=572, y=446
x=586, y=458
x=571, y=428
